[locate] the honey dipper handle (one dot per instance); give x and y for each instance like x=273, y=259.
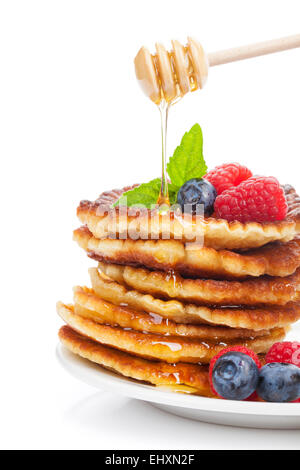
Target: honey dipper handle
x=253, y=50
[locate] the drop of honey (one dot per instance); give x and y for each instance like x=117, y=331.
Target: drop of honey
x=177, y=388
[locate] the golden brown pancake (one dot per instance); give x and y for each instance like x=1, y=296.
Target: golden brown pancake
x=274, y=259
x=106, y=222
x=261, y=291
x=257, y=318
x=154, y=372
x=160, y=347
x=88, y=305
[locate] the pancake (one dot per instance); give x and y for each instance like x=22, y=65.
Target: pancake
x=156, y=373
x=88, y=305
x=160, y=347
x=274, y=259
x=121, y=222
x=261, y=291
x=258, y=318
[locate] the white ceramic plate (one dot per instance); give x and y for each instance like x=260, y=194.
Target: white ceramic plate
x=209, y=410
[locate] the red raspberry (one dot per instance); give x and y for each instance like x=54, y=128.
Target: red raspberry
x=227, y=175
x=240, y=349
x=285, y=351
x=257, y=199
x=253, y=397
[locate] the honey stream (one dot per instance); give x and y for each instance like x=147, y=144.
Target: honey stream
x=163, y=198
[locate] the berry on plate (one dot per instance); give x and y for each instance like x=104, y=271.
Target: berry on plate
x=257, y=199
x=197, y=191
x=235, y=376
x=279, y=382
x=285, y=351
x=227, y=175
x=233, y=373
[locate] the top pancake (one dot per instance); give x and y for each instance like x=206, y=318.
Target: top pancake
x=122, y=222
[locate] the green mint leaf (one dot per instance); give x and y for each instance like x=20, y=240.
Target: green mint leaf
x=187, y=161
x=146, y=195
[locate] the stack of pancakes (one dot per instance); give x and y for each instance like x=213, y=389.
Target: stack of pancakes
x=159, y=309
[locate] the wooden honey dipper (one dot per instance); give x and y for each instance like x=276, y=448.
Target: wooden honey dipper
x=170, y=75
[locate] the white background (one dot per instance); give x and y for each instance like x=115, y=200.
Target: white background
x=73, y=122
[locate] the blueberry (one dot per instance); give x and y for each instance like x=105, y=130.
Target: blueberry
x=235, y=376
x=279, y=382
x=197, y=191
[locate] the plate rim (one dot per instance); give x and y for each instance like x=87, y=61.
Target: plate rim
x=95, y=375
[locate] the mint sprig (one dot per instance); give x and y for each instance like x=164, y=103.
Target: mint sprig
x=187, y=162
x=145, y=195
